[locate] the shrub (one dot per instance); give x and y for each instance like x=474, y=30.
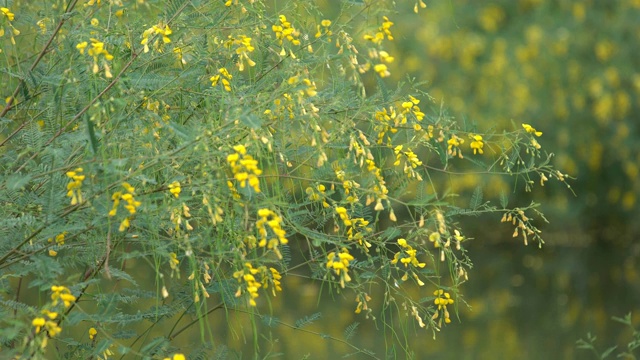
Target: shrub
x=166, y=160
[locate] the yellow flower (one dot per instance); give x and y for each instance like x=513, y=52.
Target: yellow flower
x=339, y=263
x=385, y=57
x=442, y=300
x=382, y=31
x=225, y=76
x=81, y=46
x=74, y=186
x=159, y=29
x=177, y=356
x=381, y=69
x=244, y=168
x=92, y=333
x=285, y=31
x=246, y=275
x=173, y=261
x=454, y=143
x=124, y=225
x=174, y=188
x=528, y=128
x=274, y=222
x=477, y=144
x=38, y=323
x=62, y=293
x=7, y=13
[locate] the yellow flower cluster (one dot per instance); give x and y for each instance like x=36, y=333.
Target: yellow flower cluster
x=244, y=168
x=269, y=277
x=274, y=277
x=383, y=30
x=531, y=130
x=477, y=143
x=521, y=223
x=243, y=50
x=74, y=186
x=339, y=263
x=10, y=17
x=52, y=328
x=454, y=144
x=382, y=70
x=347, y=185
x=92, y=333
x=388, y=120
x=380, y=190
x=7, y=13
x=309, y=86
x=419, y=5
x=46, y=322
x=173, y=261
x=62, y=293
x=178, y=215
x=442, y=300
x=42, y=24
x=342, y=212
x=384, y=57
x=95, y=50
x=286, y=31
x=225, y=76
x=362, y=300
x=159, y=29
x=317, y=194
x=411, y=107
x=131, y=204
x=246, y=275
x=274, y=222
x=175, y=189
x=407, y=256
x=59, y=240
x=325, y=28
x=410, y=164
x=358, y=230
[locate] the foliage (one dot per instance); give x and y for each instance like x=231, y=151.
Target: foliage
x=632, y=345
x=164, y=162
x=572, y=65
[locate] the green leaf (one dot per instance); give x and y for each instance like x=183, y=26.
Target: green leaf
x=390, y=233
x=307, y=320
x=155, y=345
x=608, y=352
x=17, y=181
x=92, y=136
x=504, y=199
x=476, y=198
x=251, y=120
x=350, y=331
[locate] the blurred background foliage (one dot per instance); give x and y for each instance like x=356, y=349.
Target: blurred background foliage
x=570, y=68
